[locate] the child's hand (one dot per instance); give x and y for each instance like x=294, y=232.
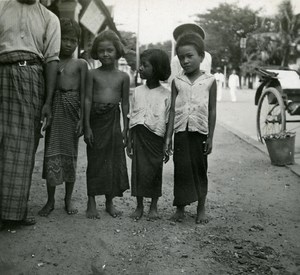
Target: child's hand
x=79, y=129
x=46, y=118
x=129, y=150
x=125, y=137
x=207, y=148
x=89, y=137
x=167, y=151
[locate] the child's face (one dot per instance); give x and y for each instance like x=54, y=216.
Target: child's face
x=146, y=69
x=68, y=45
x=189, y=58
x=107, y=53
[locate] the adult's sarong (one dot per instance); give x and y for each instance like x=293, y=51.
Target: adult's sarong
x=61, y=141
x=106, y=169
x=21, y=100
x=190, y=168
x=147, y=163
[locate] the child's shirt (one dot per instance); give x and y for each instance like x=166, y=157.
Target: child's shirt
x=150, y=107
x=191, y=106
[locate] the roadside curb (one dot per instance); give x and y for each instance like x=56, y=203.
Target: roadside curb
x=295, y=168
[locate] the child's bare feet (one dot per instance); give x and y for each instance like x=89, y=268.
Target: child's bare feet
x=70, y=209
x=138, y=213
x=153, y=214
x=179, y=214
x=111, y=210
x=47, y=209
x=91, y=211
x=201, y=216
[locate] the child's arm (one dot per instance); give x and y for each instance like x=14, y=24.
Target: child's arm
x=212, y=115
x=88, y=134
x=170, y=125
x=125, y=106
x=83, y=73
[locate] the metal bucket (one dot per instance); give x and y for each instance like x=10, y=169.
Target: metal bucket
x=281, y=150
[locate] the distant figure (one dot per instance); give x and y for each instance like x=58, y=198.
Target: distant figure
x=106, y=87
x=61, y=141
x=149, y=113
x=193, y=118
x=233, y=84
x=205, y=65
x=220, y=79
x=29, y=54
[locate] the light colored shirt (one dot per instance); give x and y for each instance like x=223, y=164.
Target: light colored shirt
x=191, y=105
x=233, y=81
x=219, y=77
x=176, y=68
x=30, y=28
x=150, y=107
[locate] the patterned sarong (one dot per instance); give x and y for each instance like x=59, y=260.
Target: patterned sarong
x=106, y=170
x=147, y=163
x=61, y=141
x=190, y=168
x=21, y=100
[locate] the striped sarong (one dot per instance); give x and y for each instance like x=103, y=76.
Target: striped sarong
x=61, y=141
x=147, y=163
x=21, y=100
x=106, y=171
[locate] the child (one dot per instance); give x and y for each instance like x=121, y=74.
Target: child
x=233, y=83
x=149, y=114
x=193, y=116
x=106, y=88
x=61, y=140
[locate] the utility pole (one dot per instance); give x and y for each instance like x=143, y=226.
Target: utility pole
x=137, y=78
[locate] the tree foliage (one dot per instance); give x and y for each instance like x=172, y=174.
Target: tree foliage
x=225, y=25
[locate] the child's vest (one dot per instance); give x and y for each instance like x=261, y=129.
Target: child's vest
x=191, y=107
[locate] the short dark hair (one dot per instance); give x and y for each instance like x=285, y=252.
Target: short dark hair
x=71, y=27
x=107, y=35
x=191, y=39
x=159, y=61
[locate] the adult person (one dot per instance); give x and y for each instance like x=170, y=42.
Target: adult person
x=205, y=65
x=233, y=84
x=220, y=79
x=29, y=50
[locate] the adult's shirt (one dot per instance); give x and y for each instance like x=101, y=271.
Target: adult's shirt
x=30, y=28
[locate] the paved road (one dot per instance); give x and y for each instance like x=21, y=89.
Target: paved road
x=240, y=117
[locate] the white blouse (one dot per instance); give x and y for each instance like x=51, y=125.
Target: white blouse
x=150, y=107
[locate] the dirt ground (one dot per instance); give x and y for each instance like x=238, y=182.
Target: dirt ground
x=254, y=224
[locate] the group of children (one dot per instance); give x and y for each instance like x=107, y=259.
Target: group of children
x=88, y=102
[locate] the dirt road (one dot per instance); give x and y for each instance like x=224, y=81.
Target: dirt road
x=253, y=229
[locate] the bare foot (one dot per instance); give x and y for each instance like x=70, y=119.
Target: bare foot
x=179, y=215
x=111, y=210
x=201, y=216
x=47, y=209
x=70, y=209
x=91, y=211
x=138, y=213
x=153, y=214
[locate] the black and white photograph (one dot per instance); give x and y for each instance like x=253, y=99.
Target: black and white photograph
x=149, y=137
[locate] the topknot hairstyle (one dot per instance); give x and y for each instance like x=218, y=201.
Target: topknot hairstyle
x=191, y=39
x=71, y=27
x=159, y=61
x=107, y=35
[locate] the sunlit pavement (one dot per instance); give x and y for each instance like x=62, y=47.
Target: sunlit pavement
x=240, y=118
